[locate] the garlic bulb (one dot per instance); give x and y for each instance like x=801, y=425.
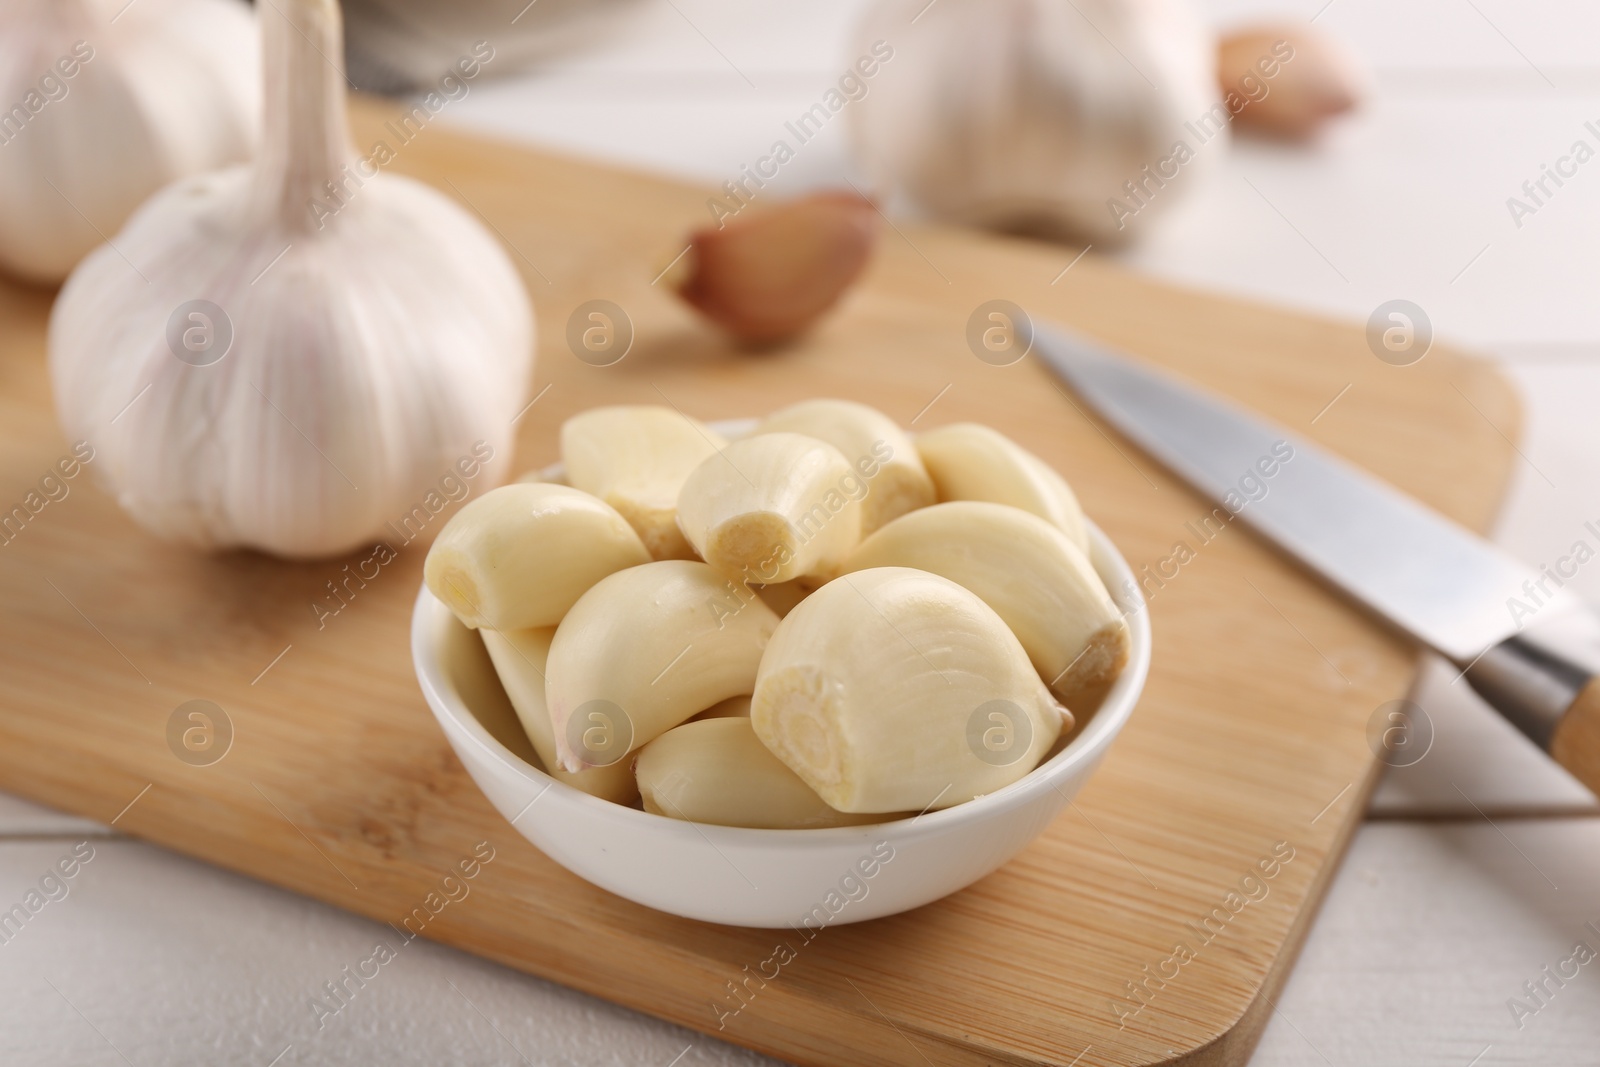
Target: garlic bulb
x=300, y=354
x=1038, y=115
x=103, y=102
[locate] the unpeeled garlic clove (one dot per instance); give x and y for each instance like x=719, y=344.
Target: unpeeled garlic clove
x=882, y=453
x=893, y=689
x=521, y=555
x=716, y=771
x=1040, y=584
x=773, y=507
x=106, y=106
x=292, y=355
x=969, y=461
x=1287, y=81
x=768, y=277
x=644, y=650
x=520, y=660
x=636, y=458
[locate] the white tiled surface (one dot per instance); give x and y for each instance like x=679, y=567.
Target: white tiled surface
x=1483, y=861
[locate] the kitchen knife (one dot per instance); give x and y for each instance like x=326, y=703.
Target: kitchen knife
x=1528, y=646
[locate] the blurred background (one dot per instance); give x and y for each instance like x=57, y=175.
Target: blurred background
x=1406, y=196
x=1467, y=101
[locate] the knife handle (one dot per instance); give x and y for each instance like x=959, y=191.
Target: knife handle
x=1546, y=681
x=1576, y=741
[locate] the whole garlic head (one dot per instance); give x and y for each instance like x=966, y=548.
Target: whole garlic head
x=1033, y=114
x=102, y=103
x=255, y=367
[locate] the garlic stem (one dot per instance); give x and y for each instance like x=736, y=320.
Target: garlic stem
x=306, y=136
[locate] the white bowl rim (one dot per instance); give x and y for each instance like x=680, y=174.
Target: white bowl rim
x=1106, y=722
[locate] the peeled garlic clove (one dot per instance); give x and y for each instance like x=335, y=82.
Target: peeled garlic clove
x=1286, y=81
x=718, y=772
x=1036, y=115
x=521, y=555
x=520, y=658
x=636, y=460
x=972, y=462
x=1040, y=584
x=645, y=649
x=773, y=507
x=291, y=356
x=768, y=277
x=896, y=690
x=107, y=104
x=882, y=453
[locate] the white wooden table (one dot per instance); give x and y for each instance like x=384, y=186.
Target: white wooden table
x=1478, y=866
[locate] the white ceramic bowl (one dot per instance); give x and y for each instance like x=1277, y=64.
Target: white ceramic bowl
x=745, y=877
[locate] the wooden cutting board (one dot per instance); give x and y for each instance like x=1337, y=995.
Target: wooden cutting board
x=1250, y=744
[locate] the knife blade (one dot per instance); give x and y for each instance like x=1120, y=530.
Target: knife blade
x=1437, y=581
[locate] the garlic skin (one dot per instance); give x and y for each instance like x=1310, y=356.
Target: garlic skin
x=1293, y=79
x=375, y=349
x=1030, y=115
x=170, y=88
x=768, y=278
